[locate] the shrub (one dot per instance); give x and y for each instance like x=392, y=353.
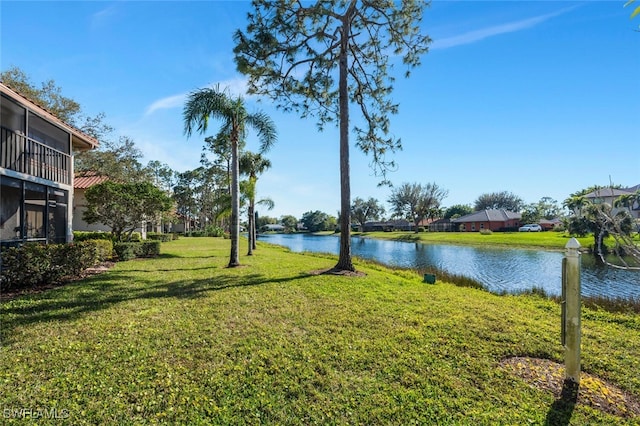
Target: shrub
x=36, y=264
x=88, y=235
x=149, y=249
x=196, y=234
x=125, y=251
x=485, y=232
x=23, y=266
x=214, y=231
x=103, y=250
x=155, y=236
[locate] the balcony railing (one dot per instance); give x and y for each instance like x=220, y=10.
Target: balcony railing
x=25, y=155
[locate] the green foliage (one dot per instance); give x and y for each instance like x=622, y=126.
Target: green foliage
x=499, y=200
x=289, y=222
x=123, y=206
x=213, y=103
x=126, y=250
x=50, y=96
x=156, y=236
x=104, y=250
x=457, y=210
x=318, y=59
x=91, y=235
x=149, y=249
x=131, y=250
x=636, y=11
x=315, y=221
x=546, y=208
x=181, y=339
x=363, y=211
x=119, y=160
x=34, y=264
x=547, y=240
x=293, y=53
x=415, y=202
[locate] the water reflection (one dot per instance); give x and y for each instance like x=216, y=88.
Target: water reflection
x=499, y=269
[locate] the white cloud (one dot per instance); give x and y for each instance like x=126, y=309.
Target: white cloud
x=481, y=34
x=235, y=87
x=169, y=102
x=102, y=17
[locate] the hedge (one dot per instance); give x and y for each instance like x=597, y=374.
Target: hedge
x=35, y=264
x=128, y=251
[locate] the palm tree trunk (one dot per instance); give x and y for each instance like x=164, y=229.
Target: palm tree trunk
x=344, y=258
x=234, y=230
x=251, y=225
x=254, y=231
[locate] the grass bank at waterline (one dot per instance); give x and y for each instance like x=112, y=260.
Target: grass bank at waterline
x=546, y=240
x=183, y=340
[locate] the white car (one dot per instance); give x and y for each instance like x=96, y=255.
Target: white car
x=533, y=227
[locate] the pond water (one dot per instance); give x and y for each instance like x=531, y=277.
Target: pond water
x=498, y=269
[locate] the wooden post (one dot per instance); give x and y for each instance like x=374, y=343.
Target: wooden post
x=571, y=314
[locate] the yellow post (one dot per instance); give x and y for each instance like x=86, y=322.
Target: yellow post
x=571, y=283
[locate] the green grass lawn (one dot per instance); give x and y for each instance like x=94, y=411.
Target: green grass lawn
x=183, y=340
x=546, y=240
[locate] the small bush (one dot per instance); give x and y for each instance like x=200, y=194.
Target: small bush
x=214, y=231
x=88, y=235
x=35, y=264
x=126, y=251
x=485, y=232
x=23, y=266
x=196, y=234
x=149, y=249
x=103, y=250
x=155, y=236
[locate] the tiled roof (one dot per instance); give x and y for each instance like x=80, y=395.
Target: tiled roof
x=88, y=180
x=78, y=135
x=489, y=215
x=607, y=192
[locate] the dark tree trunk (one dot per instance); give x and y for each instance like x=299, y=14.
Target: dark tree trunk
x=234, y=230
x=344, y=259
x=250, y=227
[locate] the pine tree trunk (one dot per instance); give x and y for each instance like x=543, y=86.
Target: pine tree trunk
x=344, y=258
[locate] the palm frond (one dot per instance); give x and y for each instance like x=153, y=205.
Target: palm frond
x=267, y=134
x=204, y=104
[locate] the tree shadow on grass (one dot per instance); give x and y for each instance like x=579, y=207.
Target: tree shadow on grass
x=562, y=409
x=103, y=291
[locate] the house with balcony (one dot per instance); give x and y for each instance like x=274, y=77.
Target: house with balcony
x=36, y=171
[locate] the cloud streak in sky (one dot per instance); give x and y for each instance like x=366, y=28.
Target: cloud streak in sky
x=235, y=87
x=484, y=33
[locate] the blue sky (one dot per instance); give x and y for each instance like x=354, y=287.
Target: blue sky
x=540, y=99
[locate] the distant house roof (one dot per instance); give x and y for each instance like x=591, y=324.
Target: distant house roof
x=87, y=180
x=489, y=215
x=608, y=192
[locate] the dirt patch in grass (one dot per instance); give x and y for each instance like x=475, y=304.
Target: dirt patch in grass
x=549, y=376
x=334, y=271
x=11, y=294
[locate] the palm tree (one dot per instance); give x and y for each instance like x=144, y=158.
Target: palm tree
x=207, y=103
x=252, y=165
